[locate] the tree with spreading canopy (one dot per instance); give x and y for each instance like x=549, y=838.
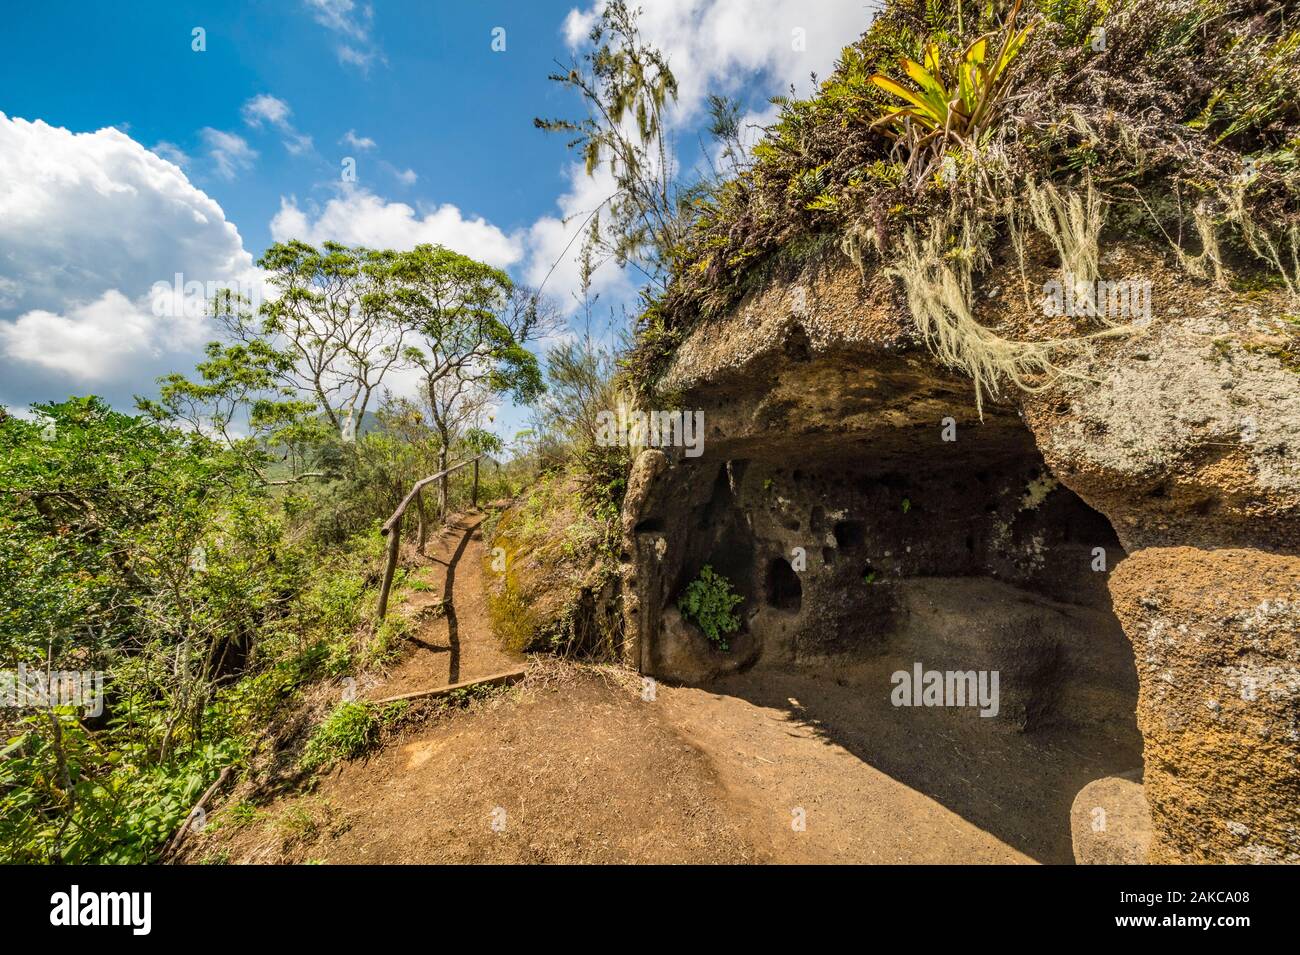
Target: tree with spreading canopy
x=333, y=315
x=470, y=325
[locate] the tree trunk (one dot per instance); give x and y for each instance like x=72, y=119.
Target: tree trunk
x=442, y=481
x=473, y=498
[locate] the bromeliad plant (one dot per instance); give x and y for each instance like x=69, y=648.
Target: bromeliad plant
x=956, y=100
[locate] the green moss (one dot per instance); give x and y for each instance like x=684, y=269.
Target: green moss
x=512, y=620
x=1288, y=355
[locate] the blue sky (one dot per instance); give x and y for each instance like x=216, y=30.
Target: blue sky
x=254, y=130
x=440, y=103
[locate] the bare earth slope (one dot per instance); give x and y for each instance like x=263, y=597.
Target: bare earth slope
x=576, y=765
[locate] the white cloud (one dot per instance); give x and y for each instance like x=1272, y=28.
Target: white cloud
x=298, y=144
x=230, y=152
x=713, y=46
x=342, y=16
x=719, y=45
x=97, y=341
x=267, y=109
x=555, y=242
x=358, y=217
x=88, y=223
x=407, y=177
x=172, y=153
x=350, y=138
x=10, y=292
x=362, y=59
x=352, y=21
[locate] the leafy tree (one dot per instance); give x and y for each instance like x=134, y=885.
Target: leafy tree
x=470, y=325
x=100, y=510
x=480, y=441
x=242, y=384
x=333, y=315
x=626, y=85
x=155, y=555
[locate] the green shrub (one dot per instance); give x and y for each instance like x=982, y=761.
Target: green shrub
x=240, y=814
x=346, y=733
x=710, y=602
x=119, y=808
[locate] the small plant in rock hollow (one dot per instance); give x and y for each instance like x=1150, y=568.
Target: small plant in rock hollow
x=710, y=603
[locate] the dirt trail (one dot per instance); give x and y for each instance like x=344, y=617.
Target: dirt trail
x=575, y=765
x=813, y=797
x=455, y=640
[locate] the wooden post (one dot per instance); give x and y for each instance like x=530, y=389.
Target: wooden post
x=392, y=528
x=443, y=490
x=473, y=500
x=394, y=545
x=423, y=529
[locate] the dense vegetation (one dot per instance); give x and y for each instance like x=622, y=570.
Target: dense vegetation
x=1181, y=113
x=217, y=552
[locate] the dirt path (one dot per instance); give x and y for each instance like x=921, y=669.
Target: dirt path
x=815, y=799
x=454, y=641
x=577, y=765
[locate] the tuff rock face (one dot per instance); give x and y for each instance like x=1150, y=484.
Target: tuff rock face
x=1215, y=634
x=871, y=519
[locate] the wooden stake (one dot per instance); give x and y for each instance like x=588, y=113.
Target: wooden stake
x=496, y=679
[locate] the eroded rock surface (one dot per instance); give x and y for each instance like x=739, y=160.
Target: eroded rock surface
x=846, y=476
x=1110, y=823
x=1215, y=638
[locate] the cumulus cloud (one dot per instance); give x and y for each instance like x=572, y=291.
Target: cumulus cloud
x=359, y=217
x=89, y=222
x=718, y=45
x=555, y=242
x=229, y=152
x=96, y=341
x=713, y=46
x=9, y=293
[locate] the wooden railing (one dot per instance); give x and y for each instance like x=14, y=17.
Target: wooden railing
x=392, y=528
